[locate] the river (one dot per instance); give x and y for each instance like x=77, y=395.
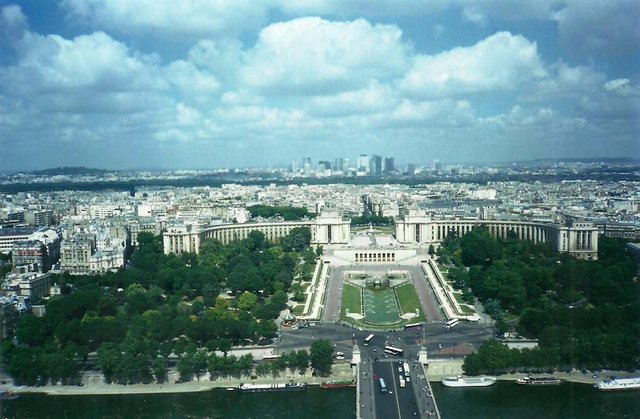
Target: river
x=503, y=400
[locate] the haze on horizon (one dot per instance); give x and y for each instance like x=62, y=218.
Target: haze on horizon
x=123, y=84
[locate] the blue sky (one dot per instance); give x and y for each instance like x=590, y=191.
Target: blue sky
x=239, y=83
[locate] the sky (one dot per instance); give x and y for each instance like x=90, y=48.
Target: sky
x=139, y=84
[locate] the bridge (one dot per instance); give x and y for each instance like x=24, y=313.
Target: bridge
x=412, y=398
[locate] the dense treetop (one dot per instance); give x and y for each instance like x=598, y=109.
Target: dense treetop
x=161, y=305
x=288, y=213
x=584, y=313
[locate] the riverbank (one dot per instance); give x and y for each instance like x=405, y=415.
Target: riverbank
x=92, y=385
x=574, y=377
x=438, y=368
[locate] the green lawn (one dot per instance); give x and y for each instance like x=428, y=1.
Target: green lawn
x=380, y=306
x=459, y=298
x=350, y=299
x=409, y=301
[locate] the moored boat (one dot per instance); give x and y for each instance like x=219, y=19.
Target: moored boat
x=619, y=384
x=460, y=381
x=258, y=388
x=337, y=384
x=8, y=395
x=540, y=381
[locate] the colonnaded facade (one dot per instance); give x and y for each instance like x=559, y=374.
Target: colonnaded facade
x=330, y=227
x=579, y=239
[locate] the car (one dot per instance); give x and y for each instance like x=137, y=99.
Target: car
x=407, y=379
x=375, y=376
x=390, y=392
x=399, y=369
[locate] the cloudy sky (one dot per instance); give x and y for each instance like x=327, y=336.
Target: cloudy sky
x=245, y=83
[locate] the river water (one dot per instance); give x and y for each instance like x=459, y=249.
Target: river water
x=503, y=400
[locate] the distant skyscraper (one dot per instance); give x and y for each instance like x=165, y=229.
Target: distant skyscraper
x=339, y=164
x=324, y=164
x=411, y=169
x=388, y=165
x=437, y=166
x=375, y=165
x=363, y=163
x=294, y=166
x=306, y=165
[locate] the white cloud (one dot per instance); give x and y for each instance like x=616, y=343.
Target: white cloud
x=191, y=82
x=312, y=55
x=221, y=57
x=169, y=18
x=374, y=98
x=500, y=62
x=95, y=62
x=358, y=8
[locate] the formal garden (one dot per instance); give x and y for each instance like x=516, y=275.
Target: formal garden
x=380, y=301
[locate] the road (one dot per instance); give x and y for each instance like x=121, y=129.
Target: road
x=440, y=343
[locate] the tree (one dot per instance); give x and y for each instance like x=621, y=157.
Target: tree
x=256, y=240
x=432, y=250
x=32, y=330
x=321, y=356
x=247, y=301
x=159, y=367
x=479, y=247
x=108, y=358
x=302, y=361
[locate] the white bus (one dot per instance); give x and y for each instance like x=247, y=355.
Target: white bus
x=451, y=323
x=368, y=339
x=405, y=366
x=383, y=387
x=393, y=350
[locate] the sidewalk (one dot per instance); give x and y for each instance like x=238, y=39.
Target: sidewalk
x=91, y=386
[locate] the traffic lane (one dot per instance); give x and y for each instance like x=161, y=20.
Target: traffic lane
x=399, y=402
x=423, y=397
x=425, y=294
x=385, y=403
x=367, y=389
x=406, y=396
x=333, y=300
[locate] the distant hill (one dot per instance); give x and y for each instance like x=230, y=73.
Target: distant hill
x=585, y=160
x=65, y=171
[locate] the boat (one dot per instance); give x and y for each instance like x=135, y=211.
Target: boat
x=8, y=395
x=619, y=384
x=539, y=381
x=461, y=381
x=259, y=388
x=337, y=384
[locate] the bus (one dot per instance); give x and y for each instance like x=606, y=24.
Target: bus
x=383, y=387
x=405, y=366
x=393, y=350
x=368, y=339
x=269, y=358
x=412, y=325
x=451, y=323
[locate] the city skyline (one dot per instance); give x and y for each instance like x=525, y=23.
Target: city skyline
x=100, y=84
